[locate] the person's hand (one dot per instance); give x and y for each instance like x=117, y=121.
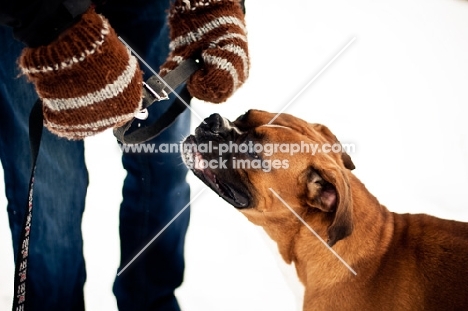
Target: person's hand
x=86, y=78
x=215, y=31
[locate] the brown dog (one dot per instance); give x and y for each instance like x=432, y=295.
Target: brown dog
x=402, y=262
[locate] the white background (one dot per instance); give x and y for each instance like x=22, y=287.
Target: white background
x=399, y=93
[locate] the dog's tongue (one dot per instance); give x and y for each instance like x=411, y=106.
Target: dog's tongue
x=227, y=192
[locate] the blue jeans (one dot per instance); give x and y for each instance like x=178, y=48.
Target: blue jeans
x=154, y=189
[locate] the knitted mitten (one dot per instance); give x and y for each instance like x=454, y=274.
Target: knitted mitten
x=215, y=31
x=86, y=78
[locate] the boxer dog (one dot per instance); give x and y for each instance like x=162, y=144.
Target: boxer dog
x=372, y=259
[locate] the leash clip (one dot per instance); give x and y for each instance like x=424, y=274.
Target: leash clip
x=158, y=97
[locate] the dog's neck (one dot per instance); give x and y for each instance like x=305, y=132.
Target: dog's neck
x=312, y=257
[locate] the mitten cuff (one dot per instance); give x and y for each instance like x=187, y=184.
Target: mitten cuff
x=87, y=79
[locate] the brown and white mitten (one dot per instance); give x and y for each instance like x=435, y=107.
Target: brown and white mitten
x=215, y=31
x=86, y=78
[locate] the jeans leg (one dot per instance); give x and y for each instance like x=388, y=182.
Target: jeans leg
x=56, y=268
x=154, y=192
x=155, y=189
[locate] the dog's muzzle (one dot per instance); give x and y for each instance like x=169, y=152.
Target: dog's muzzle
x=211, y=167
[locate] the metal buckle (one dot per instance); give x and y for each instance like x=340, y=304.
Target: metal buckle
x=156, y=95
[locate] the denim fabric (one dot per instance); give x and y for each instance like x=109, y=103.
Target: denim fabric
x=154, y=189
x=56, y=271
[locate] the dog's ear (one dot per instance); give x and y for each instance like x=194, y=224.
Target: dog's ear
x=331, y=138
x=347, y=161
x=328, y=190
x=320, y=193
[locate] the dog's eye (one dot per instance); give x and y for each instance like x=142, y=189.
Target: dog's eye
x=252, y=149
x=253, y=154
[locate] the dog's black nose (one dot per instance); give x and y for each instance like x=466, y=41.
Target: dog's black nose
x=216, y=124
x=213, y=123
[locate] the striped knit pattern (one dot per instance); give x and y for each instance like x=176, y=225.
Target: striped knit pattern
x=215, y=31
x=87, y=79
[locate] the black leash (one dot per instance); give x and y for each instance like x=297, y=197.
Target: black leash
x=21, y=266
x=155, y=89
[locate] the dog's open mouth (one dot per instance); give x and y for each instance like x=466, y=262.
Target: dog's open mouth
x=194, y=160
